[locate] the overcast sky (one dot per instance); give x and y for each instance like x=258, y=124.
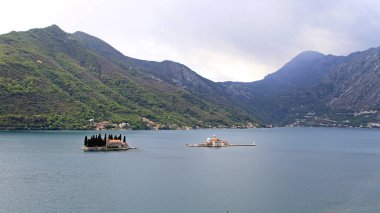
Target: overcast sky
x=240, y=40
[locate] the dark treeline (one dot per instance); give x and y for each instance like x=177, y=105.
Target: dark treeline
x=98, y=140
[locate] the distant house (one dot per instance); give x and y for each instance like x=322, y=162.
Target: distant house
x=115, y=144
x=122, y=125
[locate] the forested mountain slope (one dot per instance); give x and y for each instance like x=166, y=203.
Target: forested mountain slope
x=53, y=79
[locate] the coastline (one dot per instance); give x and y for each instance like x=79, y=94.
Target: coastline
x=182, y=129
x=116, y=129
x=104, y=149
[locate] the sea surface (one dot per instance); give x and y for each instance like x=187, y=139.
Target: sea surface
x=290, y=170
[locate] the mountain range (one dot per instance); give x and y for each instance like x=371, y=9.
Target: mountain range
x=50, y=79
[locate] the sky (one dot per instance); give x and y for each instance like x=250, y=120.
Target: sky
x=240, y=40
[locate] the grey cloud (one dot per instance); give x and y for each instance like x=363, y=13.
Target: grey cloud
x=261, y=35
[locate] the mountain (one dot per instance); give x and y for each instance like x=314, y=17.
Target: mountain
x=50, y=79
x=317, y=90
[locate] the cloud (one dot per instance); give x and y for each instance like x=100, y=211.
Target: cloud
x=222, y=40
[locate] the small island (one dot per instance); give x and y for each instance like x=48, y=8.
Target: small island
x=216, y=142
x=108, y=143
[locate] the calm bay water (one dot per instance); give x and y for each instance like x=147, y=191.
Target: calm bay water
x=290, y=170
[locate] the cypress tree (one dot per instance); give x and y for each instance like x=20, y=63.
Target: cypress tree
x=100, y=140
x=120, y=137
x=85, y=141
x=95, y=142
x=90, y=142
x=124, y=139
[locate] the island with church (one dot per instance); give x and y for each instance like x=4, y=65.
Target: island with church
x=106, y=143
x=216, y=142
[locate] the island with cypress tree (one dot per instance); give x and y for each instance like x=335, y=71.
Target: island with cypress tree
x=106, y=143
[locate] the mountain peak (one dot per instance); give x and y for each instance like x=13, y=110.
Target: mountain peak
x=54, y=29
x=307, y=68
x=53, y=26
x=96, y=44
x=83, y=35
x=308, y=55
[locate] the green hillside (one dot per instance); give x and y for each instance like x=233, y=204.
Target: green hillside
x=50, y=79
